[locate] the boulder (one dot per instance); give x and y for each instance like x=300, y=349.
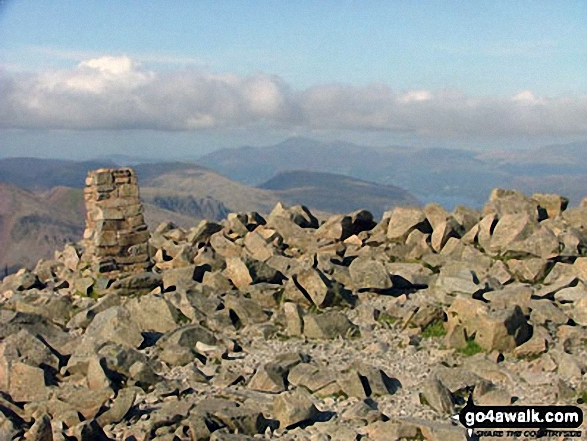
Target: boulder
x=316, y=287
x=153, y=313
x=511, y=228
x=552, y=204
x=369, y=274
x=298, y=214
x=404, y=220
x=437, y=396
x=294, y=407
x=504, y=202
x=115, y=325
x=500, y=330
x=331, y=324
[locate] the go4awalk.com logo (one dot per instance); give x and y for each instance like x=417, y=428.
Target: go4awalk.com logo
x=520, y=421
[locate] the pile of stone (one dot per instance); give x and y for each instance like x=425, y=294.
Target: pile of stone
x=285, y=327
x=116, y=235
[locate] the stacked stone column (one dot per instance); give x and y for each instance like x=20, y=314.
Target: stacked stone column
x=116, y=236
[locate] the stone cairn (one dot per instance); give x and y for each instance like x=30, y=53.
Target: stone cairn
x=116, y=236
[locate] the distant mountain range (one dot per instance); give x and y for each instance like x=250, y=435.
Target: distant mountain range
x=335, y=193
x=42, y=206
x=446, y=176
x=41, y=200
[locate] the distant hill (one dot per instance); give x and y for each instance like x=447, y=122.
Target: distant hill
x=201, y=182
x=41, y=173
x=37, y=173
x=46, y=213
x=448, y=176
x=34, y=225
x=336, y=193
x=31, y=228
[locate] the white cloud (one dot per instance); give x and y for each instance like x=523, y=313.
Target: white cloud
x=415, y=95
x=117, y=93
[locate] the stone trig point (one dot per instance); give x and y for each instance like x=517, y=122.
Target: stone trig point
x=116, y=236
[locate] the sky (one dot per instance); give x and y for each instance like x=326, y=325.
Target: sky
x=179, y=79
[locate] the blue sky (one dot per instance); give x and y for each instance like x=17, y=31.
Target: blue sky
x=223, y=73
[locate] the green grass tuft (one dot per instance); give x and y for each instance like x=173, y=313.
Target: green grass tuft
x=434, y=329
x=386, y=320
x=472, y=348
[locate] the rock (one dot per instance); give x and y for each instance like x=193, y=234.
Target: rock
x=116, y=326
x=137, y=284
x=217, y=281
x=143, y=375
x=436, y=214
x=294, y=322
x=392, y=430
x=153, y=313
x=258, y=243
x=96, y=376
x=579, y=312
x=188, y=336
x=83, y=318
x=450, y=228
x=119, y=408
x=223, y=246
x=510, y=228
x=488, y=394
x=243, y=420
x=243, y=272
x=504, y=202
x=312, y=377
x=268, y=378
x=457, y=281
x=316, y=287
x=362, y=381
x=466, y=217
x=41, y=429
x=569, y=367
x=437, y=396
x=181, y=278
x=120, y=359
x=88, y=430
x=247, y=311
x=538, y=344
x=363, y=412
x=23, y=347
x=482, y=232
x=27, y=383
x=23, y=280
x=409, y=274
x=528, y=270
x=294, y=236
x=405, y=220
x=435, y=431
x=329, y=325
x=542, y=243
x=298, y=214
x=337, y=227
x=544, y=311
x=510, y=296
x=368, y=274
x=561, y=272
x=552, y=204
x=293, y=408
x=500, y=330
x=202, y=232
x=237, y=272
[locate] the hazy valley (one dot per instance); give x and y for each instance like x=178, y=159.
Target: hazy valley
x=42, y=207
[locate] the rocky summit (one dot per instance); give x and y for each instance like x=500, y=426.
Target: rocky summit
x=282, y=326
